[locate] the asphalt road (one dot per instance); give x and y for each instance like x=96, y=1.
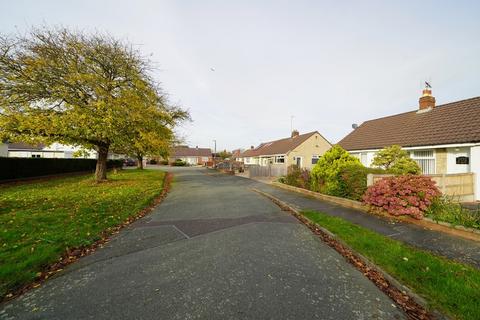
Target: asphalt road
x=213, y=249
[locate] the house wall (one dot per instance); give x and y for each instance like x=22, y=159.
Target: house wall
x=452, y=154
x=475, y=168
x=315, y=145
x=441, y=161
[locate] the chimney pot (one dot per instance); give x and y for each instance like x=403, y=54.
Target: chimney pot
x=252, y=147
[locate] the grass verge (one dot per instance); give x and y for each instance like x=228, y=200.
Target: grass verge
x=448, y=286
x=41, y=221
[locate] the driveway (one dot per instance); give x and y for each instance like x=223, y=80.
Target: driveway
x=213, y=249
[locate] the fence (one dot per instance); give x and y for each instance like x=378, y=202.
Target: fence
x=266, y=171
x=461, y=186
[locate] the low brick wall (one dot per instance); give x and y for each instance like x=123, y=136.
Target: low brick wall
x=340, y=201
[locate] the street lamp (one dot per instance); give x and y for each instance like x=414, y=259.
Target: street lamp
x=215, y=154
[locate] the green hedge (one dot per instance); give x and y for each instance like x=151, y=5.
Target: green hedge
x=352, y=180
x=17, y=168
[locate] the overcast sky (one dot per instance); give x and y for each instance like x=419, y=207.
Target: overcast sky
x=327, y=63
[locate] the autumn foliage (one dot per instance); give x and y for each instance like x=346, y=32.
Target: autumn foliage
x=403, y=195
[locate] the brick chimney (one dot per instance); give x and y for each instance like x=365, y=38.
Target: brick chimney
x=295, y=133
x=426, y=101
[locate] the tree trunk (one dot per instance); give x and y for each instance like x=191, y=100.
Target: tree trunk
x=101, y=169
x=139, y=162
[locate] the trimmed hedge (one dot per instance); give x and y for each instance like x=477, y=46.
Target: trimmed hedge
x=17, y=168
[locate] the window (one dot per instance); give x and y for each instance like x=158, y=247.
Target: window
x=363, y=158
x=279, y=159
x=425, y=159
x=462, y=160
x=314, y=159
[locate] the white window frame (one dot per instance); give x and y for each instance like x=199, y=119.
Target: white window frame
x=278, y=158
x=426, y=159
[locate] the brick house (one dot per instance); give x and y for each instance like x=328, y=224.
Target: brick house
x=192, y=156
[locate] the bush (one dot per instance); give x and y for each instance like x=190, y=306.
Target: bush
x=403, y=195
x=396, y=161
x=164, y=162
x=17, y=168
x=445, y=209
x=297, y=177
x=324, y=177
x=352, y=180
x=178, y=163
x=153, y=161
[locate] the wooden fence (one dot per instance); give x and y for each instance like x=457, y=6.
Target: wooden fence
x=266, y=171
x=461, y=186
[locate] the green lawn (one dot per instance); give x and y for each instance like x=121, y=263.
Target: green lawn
x=451, y=287
x=38, y=221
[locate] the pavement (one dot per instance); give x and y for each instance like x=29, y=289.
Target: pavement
x=214, y=249
x=439, y=243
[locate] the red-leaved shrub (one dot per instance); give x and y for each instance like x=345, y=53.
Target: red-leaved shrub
x=403, y=195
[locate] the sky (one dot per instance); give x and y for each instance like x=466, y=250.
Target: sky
x=328, y=64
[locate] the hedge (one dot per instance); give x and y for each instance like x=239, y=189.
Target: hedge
x=17, y=168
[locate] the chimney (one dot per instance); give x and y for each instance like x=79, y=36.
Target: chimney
x=252, y=147
x=426, y=101
x=295, y=133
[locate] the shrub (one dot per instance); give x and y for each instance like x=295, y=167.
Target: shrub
x=396, y=161
x=153, y=161
x=403, y=195
x=179, y=163
x=445, y=209
x=297, y=177
x=324, y=177
x=352, y=180
x=164, y=162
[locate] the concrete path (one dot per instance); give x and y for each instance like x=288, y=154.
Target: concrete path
x=460, y=249
x=212, y=250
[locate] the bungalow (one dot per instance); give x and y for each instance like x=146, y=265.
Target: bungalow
x=54, y=150
x=300, y=149
x=442, y=139
x=192, y=156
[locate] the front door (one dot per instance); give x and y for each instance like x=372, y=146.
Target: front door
x=299, y=162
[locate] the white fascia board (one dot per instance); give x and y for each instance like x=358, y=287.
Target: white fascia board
x=454, y=145
x=271, y=155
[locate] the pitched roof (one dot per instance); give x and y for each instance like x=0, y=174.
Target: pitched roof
x=183, y=151
x=281, y=146
x=25, y=146
x=456, y=122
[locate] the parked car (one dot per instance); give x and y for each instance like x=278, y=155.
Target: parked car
x=130, y=162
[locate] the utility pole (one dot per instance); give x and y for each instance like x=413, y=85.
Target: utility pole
x=215, y=154
x=291, y=124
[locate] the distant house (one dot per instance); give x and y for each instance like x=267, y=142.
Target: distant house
x=236, y=154
x=192, y=156
x=302, y=150
x=54, y=150
x=442, y=139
